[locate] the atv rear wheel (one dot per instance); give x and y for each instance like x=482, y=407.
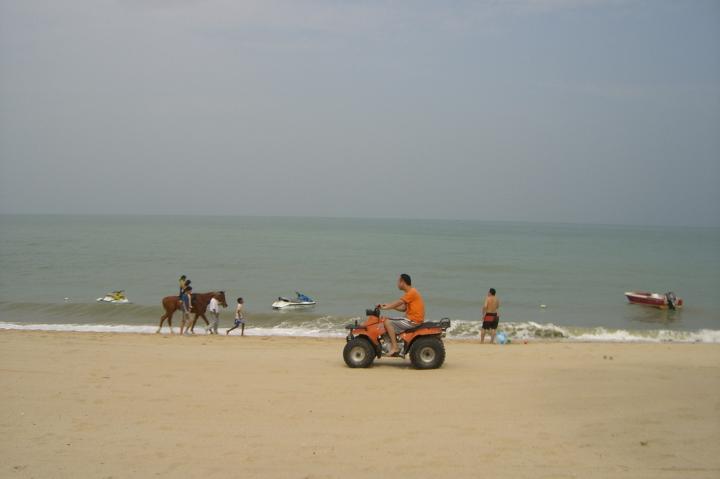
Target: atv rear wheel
x=358, y=353
x=427, y=353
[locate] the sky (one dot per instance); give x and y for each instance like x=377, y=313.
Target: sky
x=576, y=111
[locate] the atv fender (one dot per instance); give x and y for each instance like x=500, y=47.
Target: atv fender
x=376, y=346
x=415, y=337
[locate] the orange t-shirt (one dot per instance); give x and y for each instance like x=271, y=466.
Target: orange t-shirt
x=415, y=307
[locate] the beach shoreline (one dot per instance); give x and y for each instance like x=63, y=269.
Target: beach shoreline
x=460, y=330
x=141, y=405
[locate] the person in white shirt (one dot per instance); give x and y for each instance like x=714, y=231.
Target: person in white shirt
x=239, y=319
x=214, y=310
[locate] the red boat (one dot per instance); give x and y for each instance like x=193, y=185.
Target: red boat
x=657, y=300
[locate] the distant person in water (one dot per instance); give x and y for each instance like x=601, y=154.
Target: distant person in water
x=186, y=299
x=490, y=316
x=239, y=318
x=214, y=309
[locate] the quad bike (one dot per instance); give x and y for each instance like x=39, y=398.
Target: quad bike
x=370, y=340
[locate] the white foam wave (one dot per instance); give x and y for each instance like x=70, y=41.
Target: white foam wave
x=651, y=336
x=459, y=330
x=535, y=331
x=139, y=329
x=297, y=332
x=83, y=328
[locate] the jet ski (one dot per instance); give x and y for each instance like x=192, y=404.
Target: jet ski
x=300, y=301
x=116, y=297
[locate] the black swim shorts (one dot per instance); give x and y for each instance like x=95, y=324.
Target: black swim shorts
x=490, y=324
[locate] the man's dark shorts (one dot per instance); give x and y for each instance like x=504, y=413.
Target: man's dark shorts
x=490, y=321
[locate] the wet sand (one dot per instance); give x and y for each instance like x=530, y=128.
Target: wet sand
x=130, y=405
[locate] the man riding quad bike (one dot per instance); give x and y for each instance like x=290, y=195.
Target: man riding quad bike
x=377, y=336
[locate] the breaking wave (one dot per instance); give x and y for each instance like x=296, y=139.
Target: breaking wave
x=143, y=319
x=331, y=327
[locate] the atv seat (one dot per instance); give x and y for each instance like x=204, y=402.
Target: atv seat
x=443, y=324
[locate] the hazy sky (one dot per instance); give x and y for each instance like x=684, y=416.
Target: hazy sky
x=544, y=110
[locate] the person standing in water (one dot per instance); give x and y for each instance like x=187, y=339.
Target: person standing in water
x=239, y=319
x=490, y=316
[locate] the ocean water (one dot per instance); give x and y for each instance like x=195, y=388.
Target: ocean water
x=579, y=272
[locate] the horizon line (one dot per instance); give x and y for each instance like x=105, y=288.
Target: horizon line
x=277, y=216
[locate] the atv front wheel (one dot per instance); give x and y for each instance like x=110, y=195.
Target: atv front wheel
x=427, y=353
x=358, y=353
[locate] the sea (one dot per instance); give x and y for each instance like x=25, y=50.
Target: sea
x=559, y=282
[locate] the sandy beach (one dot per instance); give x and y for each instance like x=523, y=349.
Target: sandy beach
x=130, y=405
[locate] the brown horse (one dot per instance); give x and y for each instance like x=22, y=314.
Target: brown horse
x=199, y=306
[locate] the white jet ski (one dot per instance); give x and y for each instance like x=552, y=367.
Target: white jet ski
x=300, y=301
x=116, y=297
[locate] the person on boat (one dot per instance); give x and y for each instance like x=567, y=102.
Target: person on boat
x=670, y=300
x=186, y=299
x=490, y=316
x=411, y=304
x=117, y=295
x=239, y=318
x=302, y=298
